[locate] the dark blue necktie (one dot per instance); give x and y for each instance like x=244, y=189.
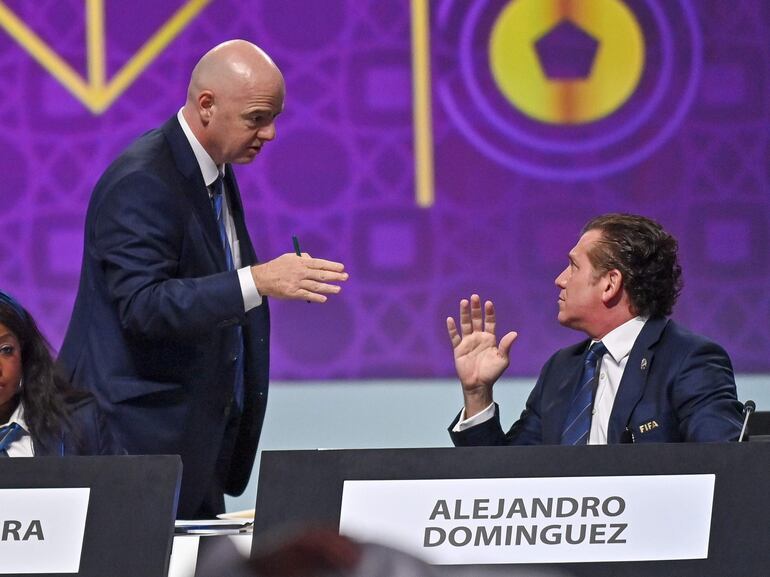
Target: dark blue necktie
x=8, y=434
x=217, y=194
x=578, y=424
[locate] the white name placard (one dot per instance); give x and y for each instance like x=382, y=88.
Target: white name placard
x=41, y=530
x=536, y=520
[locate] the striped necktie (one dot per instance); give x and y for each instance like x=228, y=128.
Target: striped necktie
x=578, y=423
x=8, y=434
x=217, y=196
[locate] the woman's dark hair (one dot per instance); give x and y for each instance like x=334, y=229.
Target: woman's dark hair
x=645, y=254
x=44, y=393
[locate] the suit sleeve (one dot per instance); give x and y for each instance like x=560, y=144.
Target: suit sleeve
x=90, y=434
x=490, y=432
x=106, y=442
x=705, y=398
x=527, y=430
x=140, y=231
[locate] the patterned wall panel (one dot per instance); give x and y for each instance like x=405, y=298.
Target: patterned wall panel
x=533, y=133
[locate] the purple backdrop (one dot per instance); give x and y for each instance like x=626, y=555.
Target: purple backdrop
x=689, y=147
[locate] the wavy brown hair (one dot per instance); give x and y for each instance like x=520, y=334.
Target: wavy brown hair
x=645, y=254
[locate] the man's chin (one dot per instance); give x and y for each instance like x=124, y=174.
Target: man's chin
x=563, y=320
x=247, y=156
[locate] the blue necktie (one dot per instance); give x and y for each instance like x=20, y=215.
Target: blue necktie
x=8, y=434
x=578, y=423
x=217, y=193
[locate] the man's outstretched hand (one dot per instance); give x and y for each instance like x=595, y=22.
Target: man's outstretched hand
x=479, y=360
x=299, y=277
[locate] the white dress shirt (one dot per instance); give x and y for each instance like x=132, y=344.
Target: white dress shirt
x=619, y=343
x=210, y=172
x=22, y=446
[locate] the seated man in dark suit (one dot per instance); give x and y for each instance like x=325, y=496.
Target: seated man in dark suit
x=638, y=377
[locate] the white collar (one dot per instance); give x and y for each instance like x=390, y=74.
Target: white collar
x=18, y=417
x=208, y=167
x=620, y=340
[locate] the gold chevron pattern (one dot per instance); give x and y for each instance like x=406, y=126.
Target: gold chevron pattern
x=96, y=92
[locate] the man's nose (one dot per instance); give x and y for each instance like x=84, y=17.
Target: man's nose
x=559, y=280
x=267, y=132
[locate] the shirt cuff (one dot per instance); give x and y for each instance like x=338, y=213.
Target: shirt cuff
x=251, y=296
x=477, y=419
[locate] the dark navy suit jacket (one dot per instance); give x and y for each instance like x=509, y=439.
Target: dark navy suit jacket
x=677, y=386
x=153, y=332
x=87, y=434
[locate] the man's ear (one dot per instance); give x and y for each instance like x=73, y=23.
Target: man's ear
x=612, y=286
x=205, y=106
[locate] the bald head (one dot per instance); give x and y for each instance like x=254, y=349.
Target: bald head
x=230, y=65
x=234, y=95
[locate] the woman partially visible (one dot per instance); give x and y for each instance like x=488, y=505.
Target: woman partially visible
x=39, y=413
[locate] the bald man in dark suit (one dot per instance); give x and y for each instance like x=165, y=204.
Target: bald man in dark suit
x=170, y=329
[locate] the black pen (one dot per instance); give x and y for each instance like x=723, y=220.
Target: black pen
x=297, y=251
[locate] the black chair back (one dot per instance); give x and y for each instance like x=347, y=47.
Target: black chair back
x=759, y=426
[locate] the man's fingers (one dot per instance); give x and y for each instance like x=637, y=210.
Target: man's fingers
x=311, y=297
x=451, y=328
x=321, y=264
x=324, y=271
x=489, y=317
x=476, y=318
x=325, y=275
x=298, y=277
x=465, y=317
x=319, y=287
x=506, y=342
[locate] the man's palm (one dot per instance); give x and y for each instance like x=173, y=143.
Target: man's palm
x=478, y=360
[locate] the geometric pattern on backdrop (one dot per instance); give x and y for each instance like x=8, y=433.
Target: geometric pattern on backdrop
x=688, y=146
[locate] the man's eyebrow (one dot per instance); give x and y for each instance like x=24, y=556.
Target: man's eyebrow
x=261, y=112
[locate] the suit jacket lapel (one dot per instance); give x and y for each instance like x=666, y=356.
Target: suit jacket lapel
x=634, y=379
x=195, y=188
x=556, y=408
x=236, y=209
